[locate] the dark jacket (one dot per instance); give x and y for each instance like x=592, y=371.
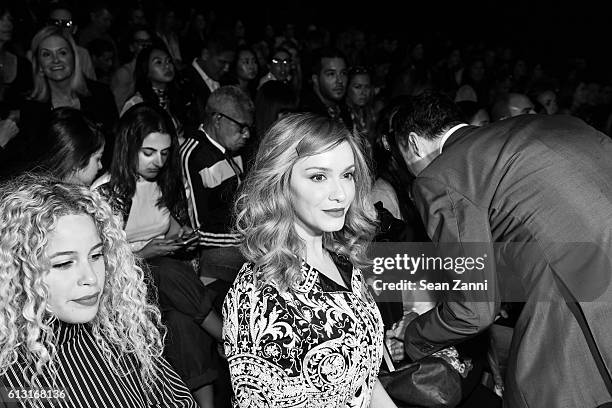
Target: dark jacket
x=540, y=188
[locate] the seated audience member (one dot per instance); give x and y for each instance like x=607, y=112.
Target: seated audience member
x=100, y=21
x=165, y=29
x=122, y=83
x=213, y=169
x=59, y=82
x=279, y=67
x=194, y=35
x=15, y=71
x=511, y=105
x=548, y=100
x=329, y=81
x=74, y=147
x=206, y=71
x=245, y=71
x=102, y=55
x=359, y=99
x=393, y=179
x=144, y=187
x=274, y=100
x=473, y=114
x=156, y=84
x=60, y=16
x=78, y=300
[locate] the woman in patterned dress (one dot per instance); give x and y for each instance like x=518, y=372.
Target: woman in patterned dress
x=300, y=327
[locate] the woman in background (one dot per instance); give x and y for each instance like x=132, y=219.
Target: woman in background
x=75, y=316
x=144, y=186
x=75, y=147
x=59, y=82
x=246, y=70
x=359, y=99
x=154, y=77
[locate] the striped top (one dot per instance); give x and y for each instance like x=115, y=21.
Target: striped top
x=210, y=183
x=88, y=380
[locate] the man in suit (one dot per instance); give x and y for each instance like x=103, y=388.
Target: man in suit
x=204, y=74
x=535, y=193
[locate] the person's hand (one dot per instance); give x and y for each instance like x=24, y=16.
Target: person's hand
x=395, y=346
x=159, y=247
x=8, y=130
x=399, y=328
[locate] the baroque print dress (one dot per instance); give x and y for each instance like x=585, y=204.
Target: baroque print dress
x=317, y=346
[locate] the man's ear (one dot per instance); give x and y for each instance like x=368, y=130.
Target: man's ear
x=315, y=80
x=414, y=141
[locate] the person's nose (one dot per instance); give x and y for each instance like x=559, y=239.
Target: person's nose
x=87, y=274
x=159, y=160
x=55, y=57
x=337, y=192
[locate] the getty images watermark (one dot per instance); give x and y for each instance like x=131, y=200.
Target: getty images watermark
x=506, y=272
x=412, y=265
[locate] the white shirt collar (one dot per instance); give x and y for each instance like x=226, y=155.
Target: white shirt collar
x=448, y=133
x=210, y=83
x=214, y=142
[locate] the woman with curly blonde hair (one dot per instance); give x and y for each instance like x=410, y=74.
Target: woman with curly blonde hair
x=76, y=328
x=300, y=326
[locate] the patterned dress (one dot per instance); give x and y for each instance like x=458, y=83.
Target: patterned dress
x=313, y=347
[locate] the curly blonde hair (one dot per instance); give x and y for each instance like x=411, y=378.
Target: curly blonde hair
x=265, y=218
x=126, y=323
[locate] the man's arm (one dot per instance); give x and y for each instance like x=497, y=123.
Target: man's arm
x=452, y=218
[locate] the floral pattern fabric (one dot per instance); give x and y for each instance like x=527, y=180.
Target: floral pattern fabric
x=305, y=348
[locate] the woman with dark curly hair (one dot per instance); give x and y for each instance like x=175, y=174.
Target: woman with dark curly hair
x=77, y=328
x=299, y=323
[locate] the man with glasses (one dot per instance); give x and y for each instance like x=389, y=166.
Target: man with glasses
x=279, y=67
x=213, y=169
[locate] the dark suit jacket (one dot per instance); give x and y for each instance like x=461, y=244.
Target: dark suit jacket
x=542, y=183
x=197, y=92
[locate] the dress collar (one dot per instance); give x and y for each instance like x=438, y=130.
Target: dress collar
x=448, y=133
x=65, y=332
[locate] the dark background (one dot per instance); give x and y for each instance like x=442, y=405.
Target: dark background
x=549, y=29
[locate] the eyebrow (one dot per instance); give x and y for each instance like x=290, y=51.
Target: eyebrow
x=98, y=245
x=153, y=149
x=327, y=169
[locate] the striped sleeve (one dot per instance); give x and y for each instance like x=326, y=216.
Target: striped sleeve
x=173, y=390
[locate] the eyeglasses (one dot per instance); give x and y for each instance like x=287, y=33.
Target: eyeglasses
x=61, y=22
x=244, y=127
x=281, y=61
x=357, y=70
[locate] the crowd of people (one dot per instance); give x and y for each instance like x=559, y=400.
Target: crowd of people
x=186, y=209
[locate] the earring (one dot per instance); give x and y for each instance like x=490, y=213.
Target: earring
x=385, y=143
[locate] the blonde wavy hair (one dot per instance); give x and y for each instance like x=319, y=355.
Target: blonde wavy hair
x=126, y=323
x=40, y=91
x=265, y=218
